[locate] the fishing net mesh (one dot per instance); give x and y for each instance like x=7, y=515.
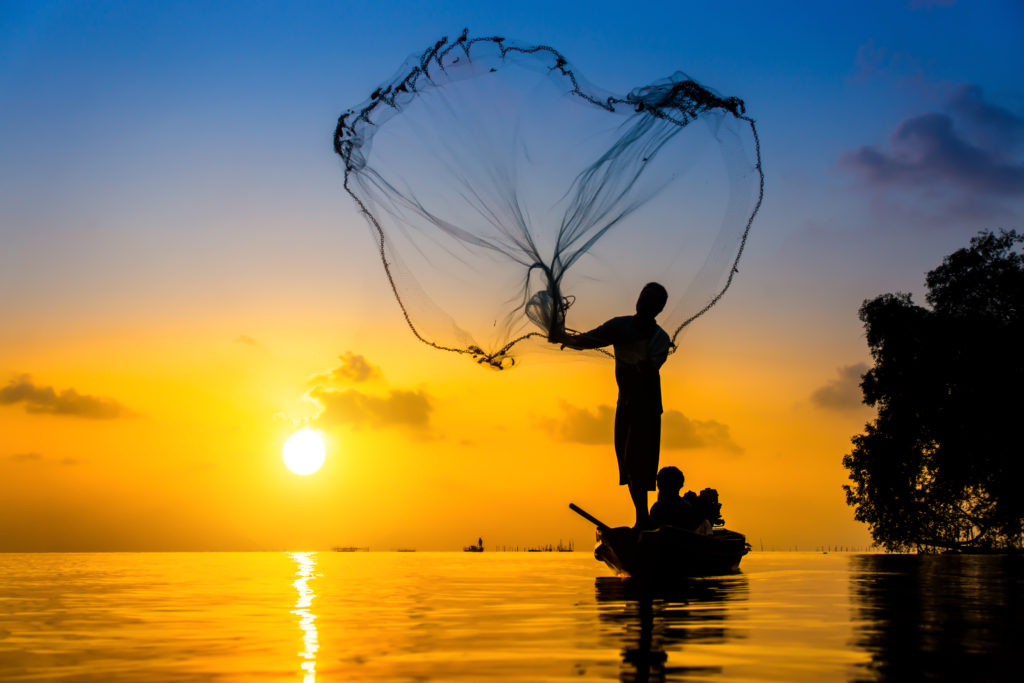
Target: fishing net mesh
x=508, y=196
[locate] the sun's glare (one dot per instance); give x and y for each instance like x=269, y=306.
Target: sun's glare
x=304, y=451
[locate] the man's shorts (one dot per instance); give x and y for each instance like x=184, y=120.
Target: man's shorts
x=637, y=443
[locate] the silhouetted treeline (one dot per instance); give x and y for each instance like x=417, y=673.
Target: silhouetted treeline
x=941, y=465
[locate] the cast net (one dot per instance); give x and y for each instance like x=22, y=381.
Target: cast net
x=500, y=187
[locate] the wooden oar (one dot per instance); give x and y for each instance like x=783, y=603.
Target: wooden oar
x=589, y=517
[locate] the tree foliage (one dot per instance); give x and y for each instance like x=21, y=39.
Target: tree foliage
x=941, y=465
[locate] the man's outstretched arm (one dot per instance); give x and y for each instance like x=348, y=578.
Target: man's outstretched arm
x=603, y=335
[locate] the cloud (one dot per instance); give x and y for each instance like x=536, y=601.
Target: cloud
x=46, y=400
x=928, y=4
x=380, y=407
x=996, y=128
x=354, y=369
x=38, y=458
x=597, y=427
x=579, y=425
x=843, y=392
x=969, y=148
x=870, y=60
x=873, y=61
x=679, y=431
x=25, y=457
x=399, y=408
x=252, y=343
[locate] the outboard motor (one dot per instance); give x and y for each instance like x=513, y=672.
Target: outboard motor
x=709, y=507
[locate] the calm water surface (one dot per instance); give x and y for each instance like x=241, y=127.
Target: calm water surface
x=504, y=616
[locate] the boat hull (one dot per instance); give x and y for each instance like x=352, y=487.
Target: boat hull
x=669, y=552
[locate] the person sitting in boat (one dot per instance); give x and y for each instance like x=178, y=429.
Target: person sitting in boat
x=671, y=509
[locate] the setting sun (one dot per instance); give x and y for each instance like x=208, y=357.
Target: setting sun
x=304, y=451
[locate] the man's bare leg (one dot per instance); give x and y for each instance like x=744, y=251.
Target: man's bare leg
x=639, y=496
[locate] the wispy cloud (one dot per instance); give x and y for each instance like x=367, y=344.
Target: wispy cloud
x=38, y=459
x=25, y=457
x=46, y=400
x=581, y=425
x=354, y=369
x=873, y=61
x=927, y=4
x=842, y=392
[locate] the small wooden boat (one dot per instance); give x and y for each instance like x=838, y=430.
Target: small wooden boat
x=667, y=553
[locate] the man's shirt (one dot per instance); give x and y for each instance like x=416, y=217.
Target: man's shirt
x=641, y=347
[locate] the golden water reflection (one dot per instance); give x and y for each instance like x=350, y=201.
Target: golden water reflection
x=509, y=617
x=306, y=566
x=651, y=623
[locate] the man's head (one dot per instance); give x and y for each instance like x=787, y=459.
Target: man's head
x=651, y=300
x=670, y=480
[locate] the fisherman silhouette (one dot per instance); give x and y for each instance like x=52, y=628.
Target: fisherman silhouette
x=641, y=347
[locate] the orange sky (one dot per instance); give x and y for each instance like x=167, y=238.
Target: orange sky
x=175, y=439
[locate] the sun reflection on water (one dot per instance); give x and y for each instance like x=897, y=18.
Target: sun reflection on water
x=306, y=563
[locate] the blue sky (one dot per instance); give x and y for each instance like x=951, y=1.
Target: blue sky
x=112, y=87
